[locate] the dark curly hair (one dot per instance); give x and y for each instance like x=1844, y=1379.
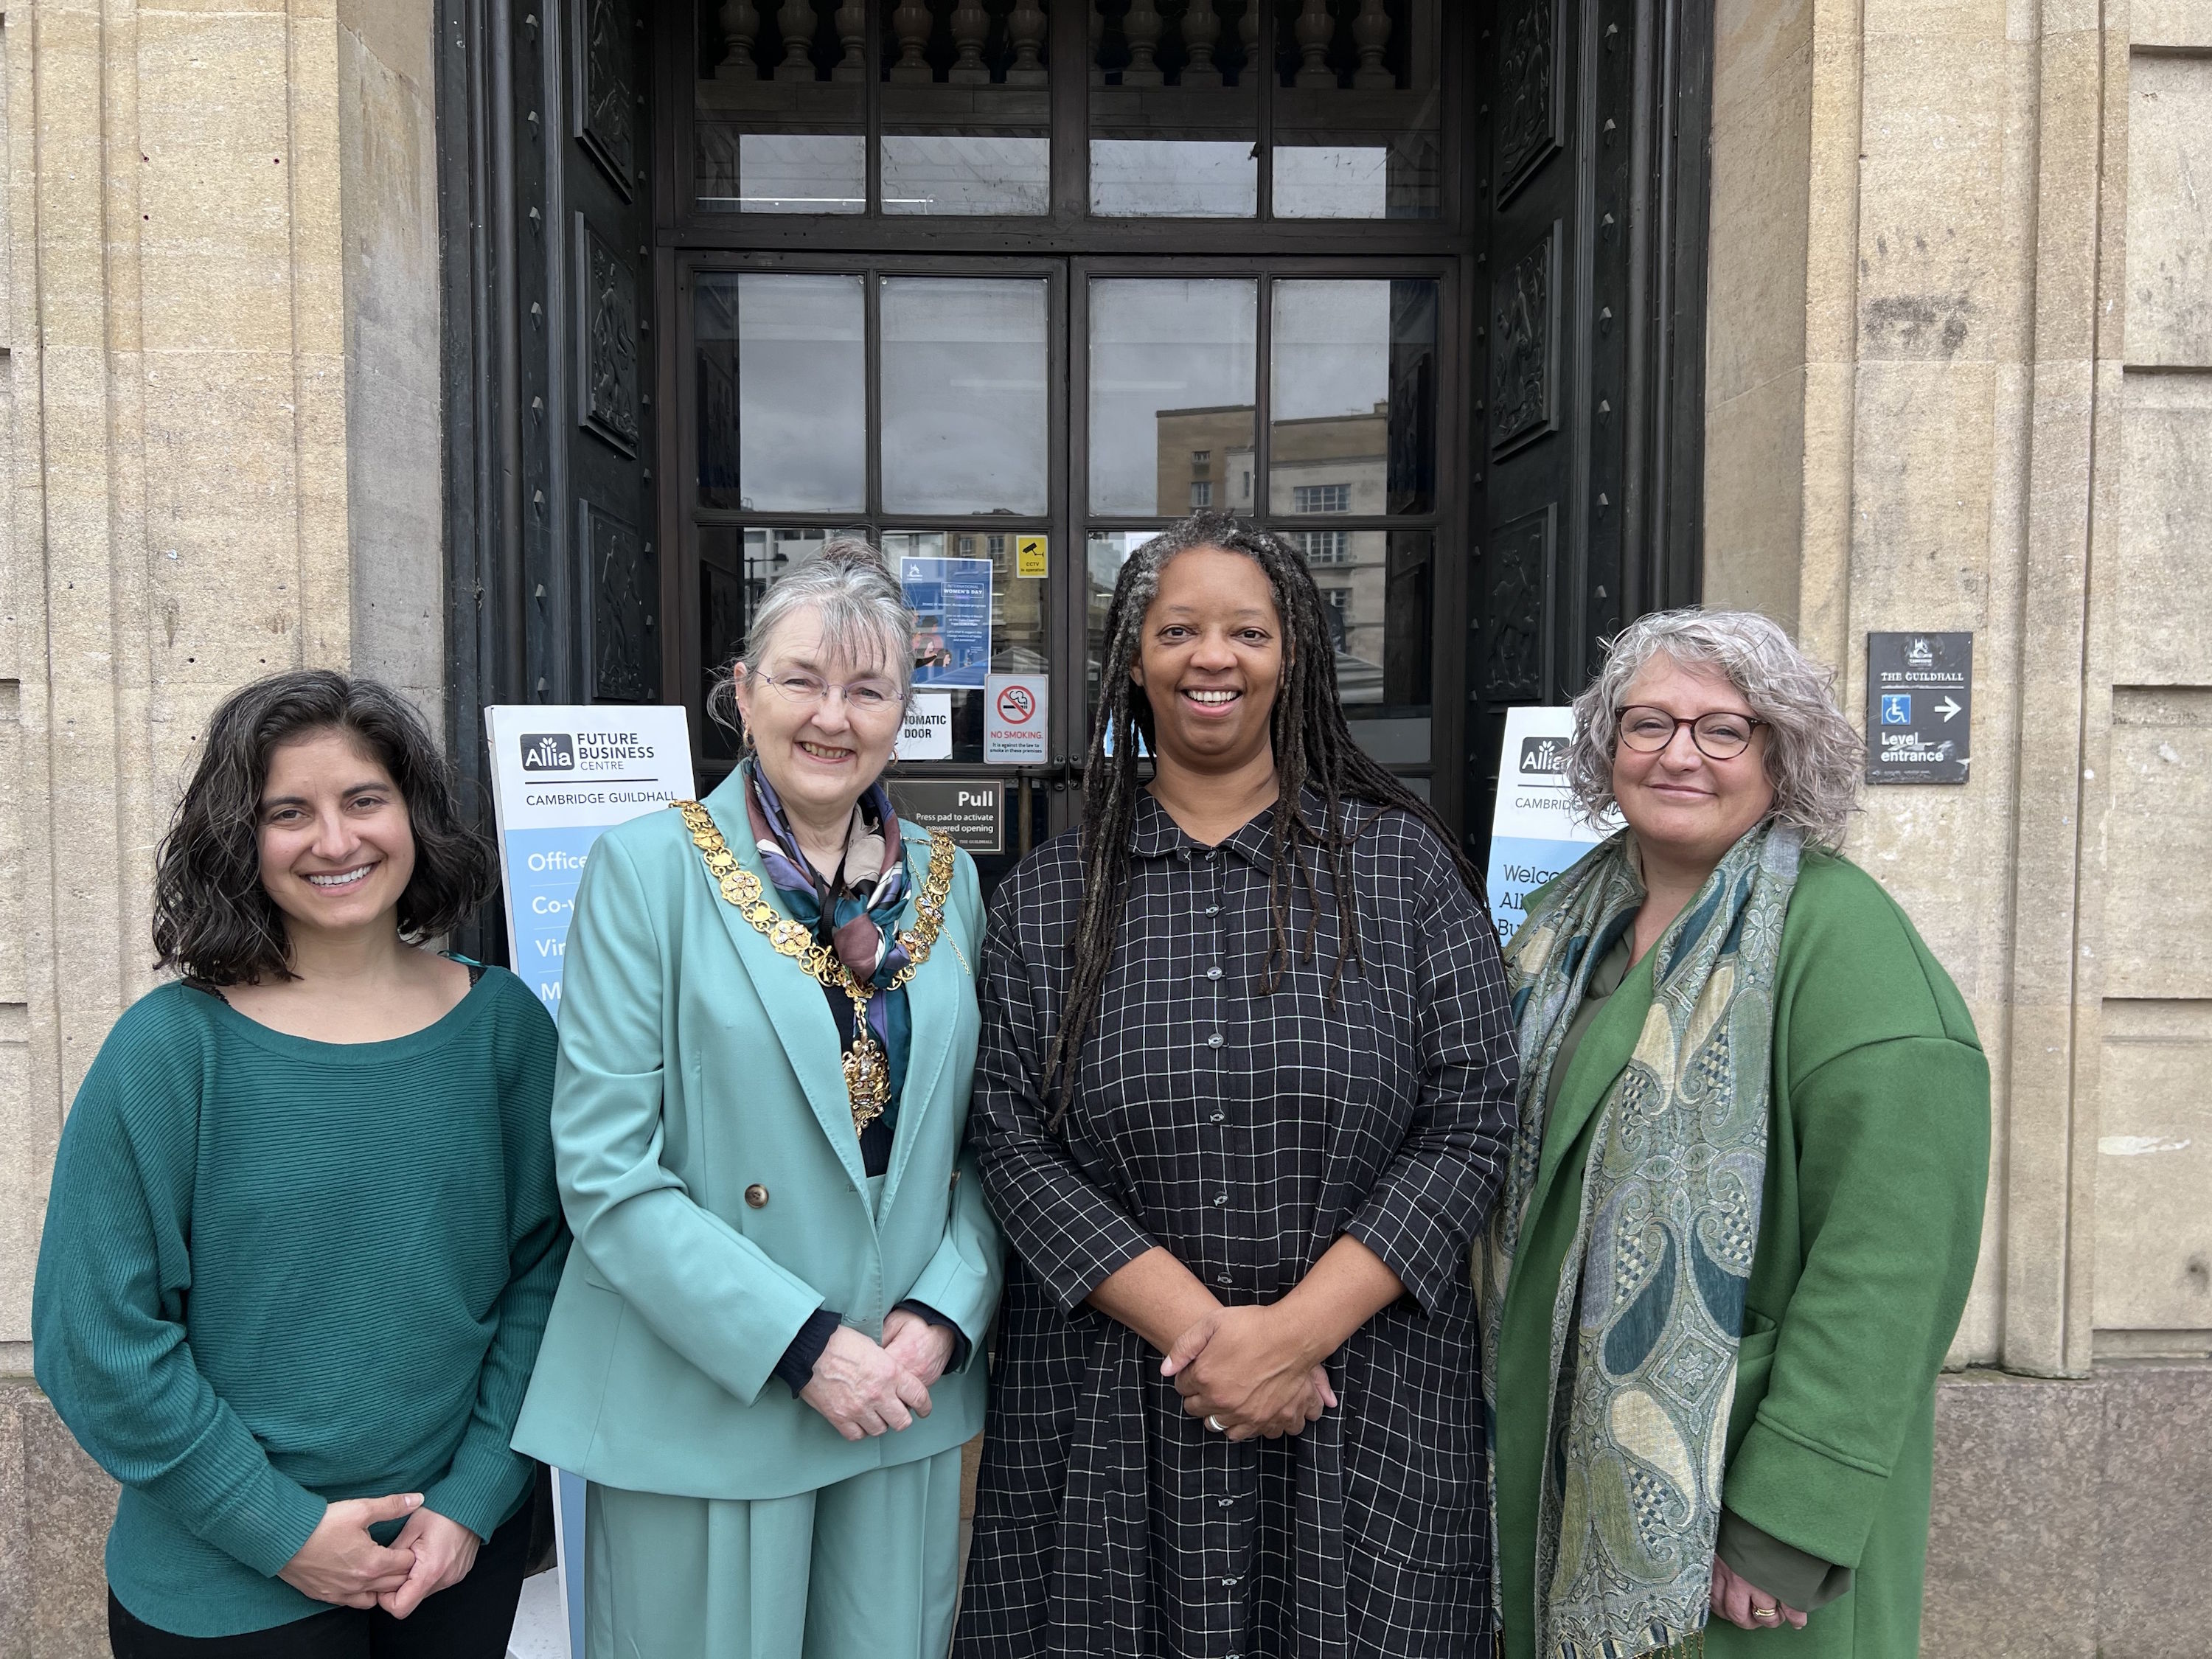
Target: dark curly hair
x=1313, y=750
x=213, y=919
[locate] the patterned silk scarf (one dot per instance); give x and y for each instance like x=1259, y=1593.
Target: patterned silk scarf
x=863, y=904
x=1650, y=1305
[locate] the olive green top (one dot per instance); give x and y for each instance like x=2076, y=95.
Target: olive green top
x=1877, y=1165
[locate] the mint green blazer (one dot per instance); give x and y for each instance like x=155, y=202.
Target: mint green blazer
x=711, y=1175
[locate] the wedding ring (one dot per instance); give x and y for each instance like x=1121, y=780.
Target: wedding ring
x=1216, y=1425
x=1767, y=1612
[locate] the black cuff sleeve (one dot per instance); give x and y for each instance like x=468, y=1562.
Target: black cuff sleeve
x=959, y=1337
x=796, y=1368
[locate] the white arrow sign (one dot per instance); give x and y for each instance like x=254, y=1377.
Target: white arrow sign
x=1946, y=709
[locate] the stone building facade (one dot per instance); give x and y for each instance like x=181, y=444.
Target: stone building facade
x=1957, y=374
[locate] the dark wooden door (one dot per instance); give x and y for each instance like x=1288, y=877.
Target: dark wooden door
x=1590, y=256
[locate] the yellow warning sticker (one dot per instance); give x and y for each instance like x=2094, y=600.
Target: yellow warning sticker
x=1032, y=555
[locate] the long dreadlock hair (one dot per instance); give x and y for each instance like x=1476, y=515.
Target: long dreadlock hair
x=1314, y=748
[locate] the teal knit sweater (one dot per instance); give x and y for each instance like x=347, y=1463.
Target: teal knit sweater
x=277, y=1272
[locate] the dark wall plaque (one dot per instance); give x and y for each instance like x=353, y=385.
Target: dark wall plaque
x=606, y=344
x=1920, y=708
x=1515, y=599
x=1529, y=108
x=972, y=811
x=605, y=101
x=1524, y=350
x=625, y=595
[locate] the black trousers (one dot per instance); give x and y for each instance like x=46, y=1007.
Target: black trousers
x=471, y=1620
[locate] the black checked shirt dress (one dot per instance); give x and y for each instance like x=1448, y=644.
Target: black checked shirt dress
x=1245, y=1131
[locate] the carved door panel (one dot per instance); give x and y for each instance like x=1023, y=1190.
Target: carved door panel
x=582, y=416
x=607, y=432
x=1579, y=521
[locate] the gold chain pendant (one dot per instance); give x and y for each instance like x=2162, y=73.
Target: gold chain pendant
x=866, y=1067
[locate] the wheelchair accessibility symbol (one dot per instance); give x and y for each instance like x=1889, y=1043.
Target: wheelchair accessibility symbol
x=1897, y=708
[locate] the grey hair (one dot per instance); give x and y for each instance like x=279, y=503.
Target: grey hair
x=1814, y=758
x=850, y=585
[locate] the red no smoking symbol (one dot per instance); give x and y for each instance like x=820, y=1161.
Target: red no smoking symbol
x=1016, y=704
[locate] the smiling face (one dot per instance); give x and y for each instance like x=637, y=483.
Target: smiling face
x=1684, y=805
x=818, y=754
x=1211, y=659
x=337, y=849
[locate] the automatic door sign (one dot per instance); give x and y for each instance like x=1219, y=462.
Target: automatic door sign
x=1013, y=720
x=926, y=731
x=1920, y=702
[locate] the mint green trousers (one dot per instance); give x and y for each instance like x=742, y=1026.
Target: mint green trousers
x=866, y=1568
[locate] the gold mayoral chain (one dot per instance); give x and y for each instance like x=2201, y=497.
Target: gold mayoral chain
x=867, y=1068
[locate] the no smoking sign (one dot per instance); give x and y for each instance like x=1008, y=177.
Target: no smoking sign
x=1014, y=719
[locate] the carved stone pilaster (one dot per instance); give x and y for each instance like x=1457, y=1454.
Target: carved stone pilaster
x=1371, y=32
x=1025, y=33
x=910, y=28
x=853, y=36
x=796, y=18
x=1316, y=29
x=971, y=25
x=740, y=21
x=1202, y=29
x=1141, y=27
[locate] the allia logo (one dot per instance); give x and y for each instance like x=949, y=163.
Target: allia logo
x=1543, y=757
x=548, y=751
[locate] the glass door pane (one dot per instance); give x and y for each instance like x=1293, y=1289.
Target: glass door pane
x=782, y=367
x=1173, y=388
x=780, y=122
x=1174, y=109
x=964, y=394
x=966, y=588
x=967, y=108
x=1353, y=421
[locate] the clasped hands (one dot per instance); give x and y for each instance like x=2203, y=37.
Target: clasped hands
x=864, y=1388
x=1251, y=1371
x=343, y=1564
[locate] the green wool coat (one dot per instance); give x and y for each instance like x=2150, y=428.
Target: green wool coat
x=1877, y=1166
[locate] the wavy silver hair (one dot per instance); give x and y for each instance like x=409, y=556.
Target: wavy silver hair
x=1814, y=759
x=849, y=584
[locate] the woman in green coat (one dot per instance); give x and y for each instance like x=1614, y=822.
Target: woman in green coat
x=763, y=1358
x=1742, y=1213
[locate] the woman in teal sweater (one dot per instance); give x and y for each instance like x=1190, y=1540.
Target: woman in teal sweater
x=1742, y=1217
x=304, y=1233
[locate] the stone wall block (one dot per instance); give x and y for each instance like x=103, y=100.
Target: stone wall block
x=2160, y=843
x=1754, y=450
x=2163, y=603
x=2184, y=23
x=70, y=1504
x=1755, y=298
x=2154, y=1599
x=2007, y=1572
x=2169, y=208
x=2155, y=1168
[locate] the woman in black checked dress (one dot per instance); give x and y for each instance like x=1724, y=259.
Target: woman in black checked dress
x=1239, y=1134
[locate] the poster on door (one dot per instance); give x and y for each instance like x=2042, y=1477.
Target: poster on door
x=951, y=599
x=1535, y=828
x=1013, y=720
x=560, y=777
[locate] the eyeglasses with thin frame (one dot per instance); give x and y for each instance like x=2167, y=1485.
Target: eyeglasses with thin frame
x=808, y=692
x=1721, y=735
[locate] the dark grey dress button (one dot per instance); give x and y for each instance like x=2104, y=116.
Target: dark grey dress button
x=1215, y=1041
x=1218, y=1117
x=1221, y=1198
x=1213, y=910
x=1221, y=1279
x=1213, y=973
x=757, y=1195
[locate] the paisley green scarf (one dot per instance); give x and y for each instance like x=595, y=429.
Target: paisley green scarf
x=1651, y=1298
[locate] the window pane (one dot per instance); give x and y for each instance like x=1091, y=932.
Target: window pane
x=780, y=125
x=1174, y=114
x=782, y=394
x=1355, y=111
x=1172, y=372
x=966, y=108
x=1375, y=592
x=735, y=568
x=1353, y=428
x=1018, y=618
x=963, y=395
x=1104, y=554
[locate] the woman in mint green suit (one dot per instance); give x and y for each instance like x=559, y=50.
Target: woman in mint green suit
x=764, y=1354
